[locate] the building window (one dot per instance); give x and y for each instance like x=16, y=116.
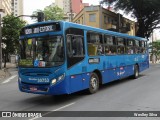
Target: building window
x=109, y=20
x=92, y=17
x=105, y=19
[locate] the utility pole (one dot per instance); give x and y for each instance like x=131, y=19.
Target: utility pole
x=0, y=42
x=153, y=56
x=71, y=10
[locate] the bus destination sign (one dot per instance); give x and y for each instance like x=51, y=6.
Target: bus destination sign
x=41, y=29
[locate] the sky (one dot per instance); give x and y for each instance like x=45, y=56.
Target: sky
x=32, y=5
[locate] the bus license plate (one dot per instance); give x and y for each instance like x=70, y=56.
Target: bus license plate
x=33, y=88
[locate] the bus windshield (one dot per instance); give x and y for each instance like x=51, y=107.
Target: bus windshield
x=42, y=52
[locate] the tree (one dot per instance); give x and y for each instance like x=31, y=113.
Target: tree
x=147, y=13
x=10, y=35
x=155, y=49
x=51, y=13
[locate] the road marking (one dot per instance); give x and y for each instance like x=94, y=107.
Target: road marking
x=9, y=79
x=54, y=110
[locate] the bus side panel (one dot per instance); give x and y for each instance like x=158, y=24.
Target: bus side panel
x=78, y=76
x=110, y=72
x=129, y=70
x=144, y=64
x=79, y=82
x=75, y=82
x=86, y=78
x=109, y=75
x=122, y=72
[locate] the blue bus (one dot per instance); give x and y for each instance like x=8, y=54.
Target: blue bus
x=58, y=57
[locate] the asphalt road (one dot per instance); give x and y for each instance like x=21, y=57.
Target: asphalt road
x=142, y=94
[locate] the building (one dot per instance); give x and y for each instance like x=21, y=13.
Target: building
x=5, y=7
x=99, y=17
x=64, y=5
x=78, y=5
x=70, y=7
x=17, y=7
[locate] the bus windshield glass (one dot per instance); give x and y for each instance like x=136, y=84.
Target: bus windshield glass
x=42, y=52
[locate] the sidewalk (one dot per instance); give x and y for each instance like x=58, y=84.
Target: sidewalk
x=4, y=71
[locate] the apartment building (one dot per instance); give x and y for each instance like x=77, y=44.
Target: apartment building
x=17, y=7
x=97, y=16
x=70, y=7
x=5, y=7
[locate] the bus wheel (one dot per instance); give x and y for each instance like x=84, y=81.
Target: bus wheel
x=93, y=83
x=136, y=72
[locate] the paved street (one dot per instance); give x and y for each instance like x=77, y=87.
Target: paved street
x=142, y=94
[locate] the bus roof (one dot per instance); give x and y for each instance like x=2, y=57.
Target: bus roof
x=89, y=28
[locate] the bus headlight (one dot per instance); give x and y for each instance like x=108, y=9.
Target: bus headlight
x=54, y=81
x=61, y=77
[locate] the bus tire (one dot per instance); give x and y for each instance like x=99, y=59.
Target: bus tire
x=136, y=72
x=93, y=83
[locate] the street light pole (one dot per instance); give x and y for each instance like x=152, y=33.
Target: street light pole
x=153, y=56
x=0, y=43
x=71, y=10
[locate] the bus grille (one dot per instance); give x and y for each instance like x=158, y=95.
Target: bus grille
x=36, y=74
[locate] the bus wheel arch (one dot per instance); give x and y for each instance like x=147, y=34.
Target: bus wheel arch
x=99, y=76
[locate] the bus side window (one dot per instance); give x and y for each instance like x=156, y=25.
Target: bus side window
x=121, y=45
x=94, y=42
x=77, y=45
x=110, y=45
x=75, y=49
x=142, y=47
x=130, y=46
x=136, y=44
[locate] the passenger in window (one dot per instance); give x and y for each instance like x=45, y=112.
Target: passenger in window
x=118, y=50
x=139, y=50
x=130, y=51
x=108, y=52
x=122, y=50
x=143, y=50
x=99, y=50
x=136, y=50
x=113, y=50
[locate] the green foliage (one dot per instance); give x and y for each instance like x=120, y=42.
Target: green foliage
x=155, y=46
x=51, y=13
x=10, y=33
x=147, y=13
